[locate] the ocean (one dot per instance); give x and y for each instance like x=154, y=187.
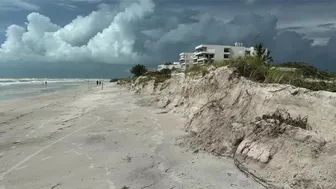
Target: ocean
x=27, y=87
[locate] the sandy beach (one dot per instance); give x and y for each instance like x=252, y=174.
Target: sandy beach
x=88, y=138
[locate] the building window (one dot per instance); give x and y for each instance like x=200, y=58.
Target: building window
x=226, y=50
x=247, y=52
x=226, y=56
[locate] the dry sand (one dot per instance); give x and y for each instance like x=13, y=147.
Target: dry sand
x=97, y=139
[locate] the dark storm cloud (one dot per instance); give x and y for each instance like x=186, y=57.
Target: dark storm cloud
x=327, y=25
x=294, y=28
x=142, y=31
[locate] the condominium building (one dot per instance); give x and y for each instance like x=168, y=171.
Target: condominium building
x=170, y=66
x=208, y=53
x=186, y=58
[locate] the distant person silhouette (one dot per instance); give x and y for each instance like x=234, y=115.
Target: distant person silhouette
x=97, y=82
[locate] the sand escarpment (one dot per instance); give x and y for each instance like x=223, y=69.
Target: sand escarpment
x=283, y=135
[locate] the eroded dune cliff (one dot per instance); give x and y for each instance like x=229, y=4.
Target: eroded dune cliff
x=283, y=135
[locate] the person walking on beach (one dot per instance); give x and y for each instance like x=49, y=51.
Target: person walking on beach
x=97, y=82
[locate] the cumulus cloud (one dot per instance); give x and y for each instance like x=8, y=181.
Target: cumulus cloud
x=144, y=33
x=82, y=29
x=14, y=42
x=100, y=36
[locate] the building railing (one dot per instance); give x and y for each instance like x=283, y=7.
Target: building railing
x=208, y=51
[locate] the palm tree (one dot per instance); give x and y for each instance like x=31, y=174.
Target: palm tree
x=263, y=53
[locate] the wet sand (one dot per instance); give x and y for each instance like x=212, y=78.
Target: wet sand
x=96, y=139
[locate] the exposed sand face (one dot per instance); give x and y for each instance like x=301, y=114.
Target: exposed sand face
x=89, y=138
x=224, y=117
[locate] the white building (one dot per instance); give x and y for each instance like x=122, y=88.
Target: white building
x=209, y=53
x=175, y=65
x=186, y=58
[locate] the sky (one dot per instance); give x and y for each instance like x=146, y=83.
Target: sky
x=104, y=38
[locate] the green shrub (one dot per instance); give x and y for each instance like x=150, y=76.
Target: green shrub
x=138, y=70
x=255, y=70
x=249, y=67
x=158, y=77
x=145, y=79
x=197, y=69
x=114, y=80
x=166, y=71
x=128, y=79
x=222, y=63
x=275, y=75
x=161, y=78
x=315, y=86
x=309, y=71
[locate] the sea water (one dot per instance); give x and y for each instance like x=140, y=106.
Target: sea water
x=27, y=87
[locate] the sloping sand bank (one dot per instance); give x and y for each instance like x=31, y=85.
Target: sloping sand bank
x=231, y=116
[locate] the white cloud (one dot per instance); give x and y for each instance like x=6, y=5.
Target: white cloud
x=118, y=40
x=321, y=41
x=14, y=39
x=141, y=34
x=82, y=29
x=101, y=36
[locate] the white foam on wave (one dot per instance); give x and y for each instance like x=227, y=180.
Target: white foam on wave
x=10, y=81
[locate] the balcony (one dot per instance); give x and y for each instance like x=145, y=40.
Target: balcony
x=204, y=59
x=207, y=51
x=227, y=50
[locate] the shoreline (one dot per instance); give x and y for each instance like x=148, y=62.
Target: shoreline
x=56, y=92
x=37, y=92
